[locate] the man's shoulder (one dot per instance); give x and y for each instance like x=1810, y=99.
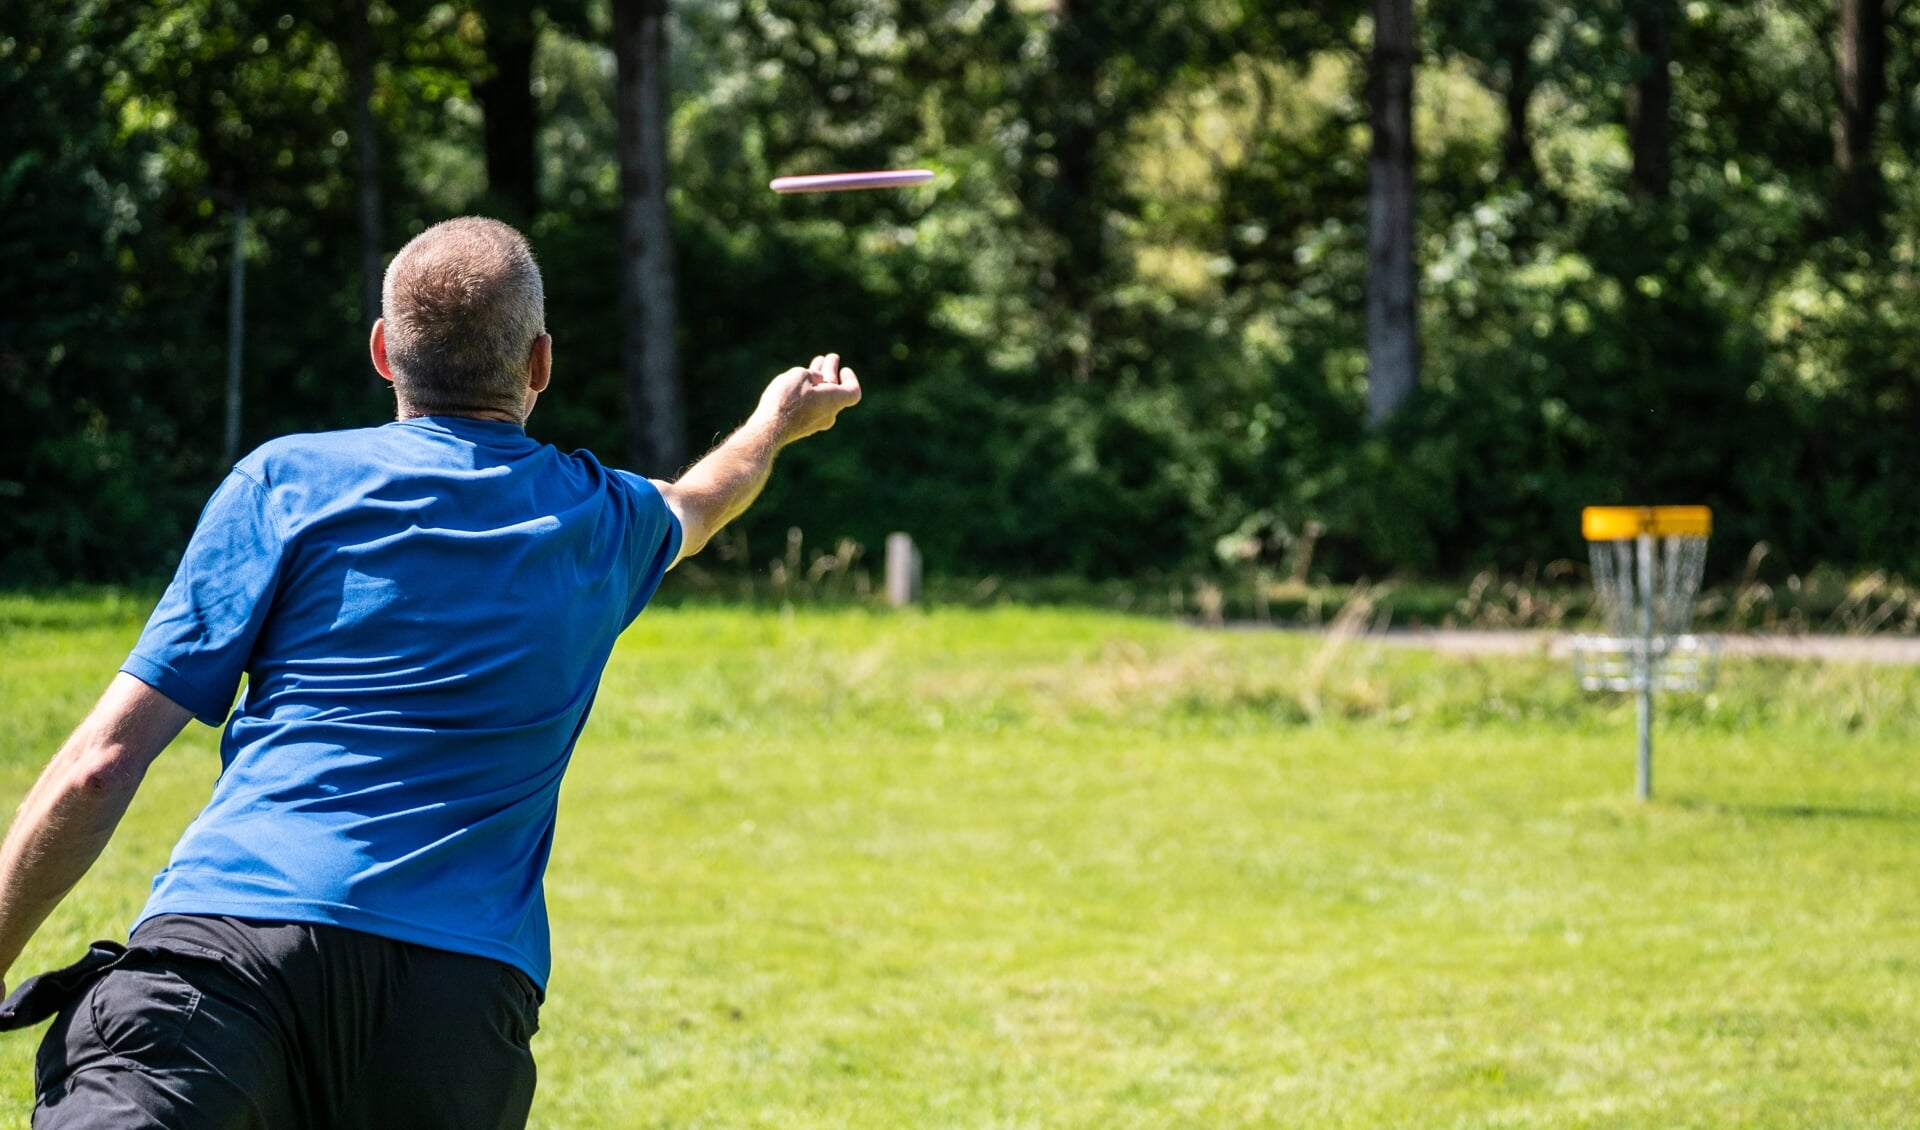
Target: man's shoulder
x=584, y=462
x=348, y=461
x=323, y=449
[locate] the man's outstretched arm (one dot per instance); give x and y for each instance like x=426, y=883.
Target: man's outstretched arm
x=71, y=812
x=719, y=488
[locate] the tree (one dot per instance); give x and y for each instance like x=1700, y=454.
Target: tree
x=506, y=99
x=1497, y=37
x=1860, y=76
x=1650, y=98
x=366, y=153
x=1070, y=199
x=650, y=363
x=1393, y=335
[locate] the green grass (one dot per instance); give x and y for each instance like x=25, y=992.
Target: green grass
x=1015, y=868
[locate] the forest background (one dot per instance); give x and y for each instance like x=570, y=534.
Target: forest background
x=1147, y=320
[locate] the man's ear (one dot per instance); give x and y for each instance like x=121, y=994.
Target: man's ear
x=378, y=347
x=540, y=365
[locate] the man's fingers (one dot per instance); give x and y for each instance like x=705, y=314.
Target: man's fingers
x=808, y=399
x=841, y=393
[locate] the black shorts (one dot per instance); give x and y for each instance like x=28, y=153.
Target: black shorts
x=229, y=1023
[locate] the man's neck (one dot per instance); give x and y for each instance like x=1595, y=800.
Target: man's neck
x=499, y=415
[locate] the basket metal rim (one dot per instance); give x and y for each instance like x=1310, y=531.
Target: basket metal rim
x=1624, y=523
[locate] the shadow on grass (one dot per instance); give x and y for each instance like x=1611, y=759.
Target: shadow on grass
x=1838, y=812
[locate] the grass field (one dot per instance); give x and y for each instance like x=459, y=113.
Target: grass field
x=1068, y=869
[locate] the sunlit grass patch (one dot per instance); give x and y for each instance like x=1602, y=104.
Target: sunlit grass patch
x=1066, y=869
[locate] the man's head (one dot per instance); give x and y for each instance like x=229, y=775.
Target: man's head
x=465, y=326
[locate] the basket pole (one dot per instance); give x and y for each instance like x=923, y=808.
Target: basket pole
x=1643, y=668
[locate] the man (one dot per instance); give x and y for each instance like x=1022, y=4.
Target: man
x=352, y=933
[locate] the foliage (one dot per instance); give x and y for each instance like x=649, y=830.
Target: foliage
x=1125, y=324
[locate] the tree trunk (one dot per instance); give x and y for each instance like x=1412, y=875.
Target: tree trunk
x=1861, y=75
x=656, y=410
x=506, y=101
x=1393, y=337
x=366, y=153
x=1071, y=208
x=236, y=331
x=1516, y=153
x=1650, y=100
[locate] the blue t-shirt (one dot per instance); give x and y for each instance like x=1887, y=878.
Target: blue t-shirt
x=422, y=611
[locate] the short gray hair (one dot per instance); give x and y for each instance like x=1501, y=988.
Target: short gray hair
x=463, y=303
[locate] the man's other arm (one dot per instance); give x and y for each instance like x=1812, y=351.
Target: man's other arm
x=71, y=812
x=720, y=487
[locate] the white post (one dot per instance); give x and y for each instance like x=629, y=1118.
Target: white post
x=903, y=570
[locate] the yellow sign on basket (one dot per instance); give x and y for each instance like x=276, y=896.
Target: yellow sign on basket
x=1624, y=523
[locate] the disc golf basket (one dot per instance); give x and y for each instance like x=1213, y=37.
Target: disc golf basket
x=1647, y=562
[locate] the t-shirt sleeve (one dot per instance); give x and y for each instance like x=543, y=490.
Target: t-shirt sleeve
x=655, y=539
x=200, y=637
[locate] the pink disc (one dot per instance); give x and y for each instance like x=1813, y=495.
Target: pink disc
x=846, y=182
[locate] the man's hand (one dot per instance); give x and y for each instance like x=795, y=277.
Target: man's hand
x=801, y=402
x=719, y=488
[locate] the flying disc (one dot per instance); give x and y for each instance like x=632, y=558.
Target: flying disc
x=846, y=182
